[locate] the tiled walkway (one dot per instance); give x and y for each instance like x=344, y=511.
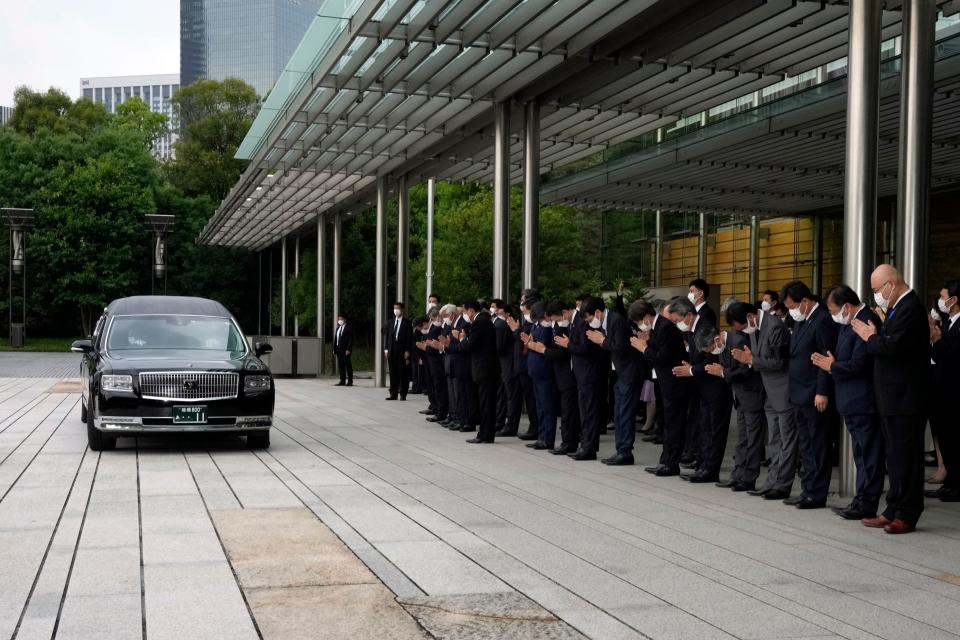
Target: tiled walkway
x=133, y=539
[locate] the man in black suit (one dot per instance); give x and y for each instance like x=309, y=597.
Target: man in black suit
x=852, y=371
x=480, y=341
x=945, y=349
x=748, y=396
x=614, y=337
x=698, y=293
x=342, y=348
x=508, y=350
x=559, y=314
x=901, y=376
x=810, y=392
x=397, y=351
x=466, y=389
x=527, y=393
x=433, y=358
x=713, y=394
x=590, y=362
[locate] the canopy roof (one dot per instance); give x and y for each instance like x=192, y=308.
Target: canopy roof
x=384, y=88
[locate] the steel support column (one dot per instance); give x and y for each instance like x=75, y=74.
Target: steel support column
x=702, y=247
x=283, y=286
x=754, y=280
x=296, y=274
x=380, y=286
x=431, y=186
x=860, y=192
x=321, y=287
x=501, y=200
x=337, y=248
x=916, y=116
x=658, y=249
x=403, y=240
x=531, y=194
x=816, y=276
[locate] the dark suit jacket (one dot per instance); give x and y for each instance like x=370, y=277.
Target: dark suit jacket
x=709, y=387
x=481, y=345
x=460, y=366
x=946, y=359
x=560, y=358
x=432, y=334
x=538, y=365
x=707, y=313
x=399, y=342
x=508, y=349
x=818, y=333
x=629, y=363
x=346, y=339
x=747, y=383
x=667, y=349
x=901, y=365
x=589, y=360
x=852, y=370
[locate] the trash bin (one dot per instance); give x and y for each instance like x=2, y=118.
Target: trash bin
x=16, y=335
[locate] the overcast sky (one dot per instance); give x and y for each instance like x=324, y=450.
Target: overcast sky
x=47, y=43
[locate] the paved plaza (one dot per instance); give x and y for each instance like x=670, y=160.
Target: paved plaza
x=364, y=521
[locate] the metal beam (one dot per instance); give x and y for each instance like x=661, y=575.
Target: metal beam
x=380, y=287
x=283, y=286
x=321, y=288
x=296, y=274
x=702, y=247
x=916, y=118
x=754, y=259
x=403, y=240
x=531, y=194
x=501, y=201
x=658, y=239
x=431, y=186
x=337, y=253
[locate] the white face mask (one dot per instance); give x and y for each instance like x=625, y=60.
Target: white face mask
x=596, y=323
x=841, y=319
x=446, y=322
x=934, y=314
x=493, y=311
x=436, y=323
x=644, y=326
x=944, y=307
x=341, y=322
x=766, y=306
x=546, y=324
x=466, y=319
x=882, y=301
x=526, y=317
x=563, y=323
x=683, y=326
x=750, y=328
x=692, y=297
x=796, y=314
x=398, y=312
x=717, y=350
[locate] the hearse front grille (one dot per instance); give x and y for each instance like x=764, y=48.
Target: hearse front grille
x=192, y=386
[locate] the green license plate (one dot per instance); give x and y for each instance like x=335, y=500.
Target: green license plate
x=193, y=414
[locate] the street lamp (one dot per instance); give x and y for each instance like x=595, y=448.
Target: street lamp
x=160, y=225
x=19, y=221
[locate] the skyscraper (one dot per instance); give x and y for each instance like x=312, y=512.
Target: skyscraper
x=247, y=39
x=5, y=113
x=154, y=90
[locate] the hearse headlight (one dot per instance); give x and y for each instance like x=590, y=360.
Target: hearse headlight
x=256, y=383
x=116, y=383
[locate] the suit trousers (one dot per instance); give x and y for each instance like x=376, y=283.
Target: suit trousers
x=948, y=440
x=454, y=412
x=658, y=420
x=545, y=390
x=416, y=375
x=749, y=450
x=814, y=440
x=399, y=374
x=590, y=394
x=903, y=436
x=501, y=416
x=675, y=408
x=866, y=436
x=569, y=418
x=783, y=464
x=438, y=383
x=345, y=367
x=714, y=428
x=626, y=399
x=514, y=405
x=529, y=398
x=772, y=430
x=486, y=393
x=694, y=421
x=469, y=402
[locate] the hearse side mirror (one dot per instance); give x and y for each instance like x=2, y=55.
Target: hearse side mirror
x=262, y=349
x=82, y=346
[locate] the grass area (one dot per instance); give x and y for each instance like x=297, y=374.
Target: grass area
x=39, y=344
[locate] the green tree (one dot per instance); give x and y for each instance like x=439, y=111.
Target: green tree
x=214, y=118
x=134, y=115
x=55, y=112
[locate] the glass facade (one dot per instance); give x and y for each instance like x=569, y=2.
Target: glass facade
x=247, y=39
x=155, y=91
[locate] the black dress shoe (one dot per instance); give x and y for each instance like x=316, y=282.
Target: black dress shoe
x=950, y=495
x=467, y=429
x=426, y=412
x=726, y=484
x=390, y=398
x=794, y=501
x=665, y=471
x=340, y=384
x=935, y=493
x=538, y=445
x=435, y=419
x=852, y=513
x=619, y=460
x=810, y=503
x=649, y=438
x=563, y=450
x=703, y=478
x=404, y=398
x=479, y=441
x=743, y=486
x=758, y=492
x=776, y=495
x=689, y=465
x=506, y=434
x=455, y=426
x=583, y=455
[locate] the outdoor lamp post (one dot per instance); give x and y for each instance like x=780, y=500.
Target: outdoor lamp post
x=160, y=225
x=19, y=221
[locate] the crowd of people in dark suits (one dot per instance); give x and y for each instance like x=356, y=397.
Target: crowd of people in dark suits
x=787, y=370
